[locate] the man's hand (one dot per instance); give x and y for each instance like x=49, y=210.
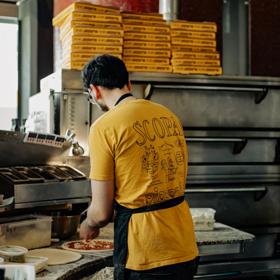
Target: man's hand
x=88, y=232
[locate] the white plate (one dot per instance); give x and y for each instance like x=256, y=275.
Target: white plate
x=90, y=251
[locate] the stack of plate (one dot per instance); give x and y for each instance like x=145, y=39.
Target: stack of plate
x=194, y=48
x=87, y=30
x=146, y=44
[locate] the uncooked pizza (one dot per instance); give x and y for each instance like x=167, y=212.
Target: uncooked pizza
x=89, y=246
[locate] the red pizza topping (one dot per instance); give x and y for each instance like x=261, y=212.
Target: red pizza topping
x=90, y=245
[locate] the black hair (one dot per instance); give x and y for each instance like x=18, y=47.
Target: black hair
x=105, y=70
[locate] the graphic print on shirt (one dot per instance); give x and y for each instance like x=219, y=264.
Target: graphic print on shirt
x=163, y=157
x=150, y=163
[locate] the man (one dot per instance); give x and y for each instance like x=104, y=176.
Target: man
x=138, y=166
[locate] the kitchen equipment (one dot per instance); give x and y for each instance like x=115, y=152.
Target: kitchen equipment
x=203, y=218
x=64, y=225
x=39, y=263
x=12, y=253
x=32, y=172
x=231, y=125
x=29, y=231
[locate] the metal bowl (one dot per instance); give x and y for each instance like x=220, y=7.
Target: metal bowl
x=64, y=226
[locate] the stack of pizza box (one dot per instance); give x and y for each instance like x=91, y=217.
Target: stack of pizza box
x=193, y=47
x=146, y=46
x=87, y=30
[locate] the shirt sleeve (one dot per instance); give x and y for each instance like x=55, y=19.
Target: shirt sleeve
x=101, y=145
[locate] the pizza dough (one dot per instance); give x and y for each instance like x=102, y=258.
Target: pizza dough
x=55, y=256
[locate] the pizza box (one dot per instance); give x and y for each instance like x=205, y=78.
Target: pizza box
x=69, y=23
x=146, y=52
x=82, y=7
x=79, y=64
x=195, y=55
x=83, y=56
x=144, y=22
x=146, y=60
x=195, y=62
x=193, y=34
x=82, y=39
x=91, y=48
x=99, y=17
x=193, y=42
x=146, y=29
x=190, y=25
x=147, y=45
x=182, y=48
x=91, y=31
x=148, y=68
x=142, y=16
x=197, y=70
x=146, y=37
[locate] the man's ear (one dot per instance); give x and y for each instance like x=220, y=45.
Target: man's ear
x=129, y=86
x=96, y=91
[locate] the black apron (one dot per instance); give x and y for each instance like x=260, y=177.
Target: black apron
x=122, y=218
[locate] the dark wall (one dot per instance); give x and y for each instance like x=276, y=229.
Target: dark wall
x=45, y=39
x=264, y=26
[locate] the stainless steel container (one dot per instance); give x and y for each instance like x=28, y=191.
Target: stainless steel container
x=64, y=225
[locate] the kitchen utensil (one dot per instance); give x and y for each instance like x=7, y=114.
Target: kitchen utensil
x=64, y=225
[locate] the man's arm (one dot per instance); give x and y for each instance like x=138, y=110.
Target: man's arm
x=100, y=211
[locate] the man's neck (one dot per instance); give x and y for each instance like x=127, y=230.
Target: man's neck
x=111, y=97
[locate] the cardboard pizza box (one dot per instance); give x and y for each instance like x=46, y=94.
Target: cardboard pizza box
x=131, y=67
x=193, y=42
x=195, y=62
x=190, y=25
x=91, y=48
x=183, y=48
x=146, y=60
x=144, y=22
x=79, y=64
x=195, y=55
x=91, y=31
x=82, y=7
x=197, y=70
x=96, y=17
x=82, y=39
x=146, y=53
x=142, y=16
x=193, y=34
x=146, y=37
x=146, y=29
x=147, y=45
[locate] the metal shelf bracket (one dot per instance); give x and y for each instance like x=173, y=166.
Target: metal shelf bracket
x=148, y=91
x=238, y=147
x=261, y=95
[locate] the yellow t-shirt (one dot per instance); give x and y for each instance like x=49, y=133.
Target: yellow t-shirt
x=140, y=145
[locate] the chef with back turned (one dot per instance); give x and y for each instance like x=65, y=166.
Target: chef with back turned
x=138, y=170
